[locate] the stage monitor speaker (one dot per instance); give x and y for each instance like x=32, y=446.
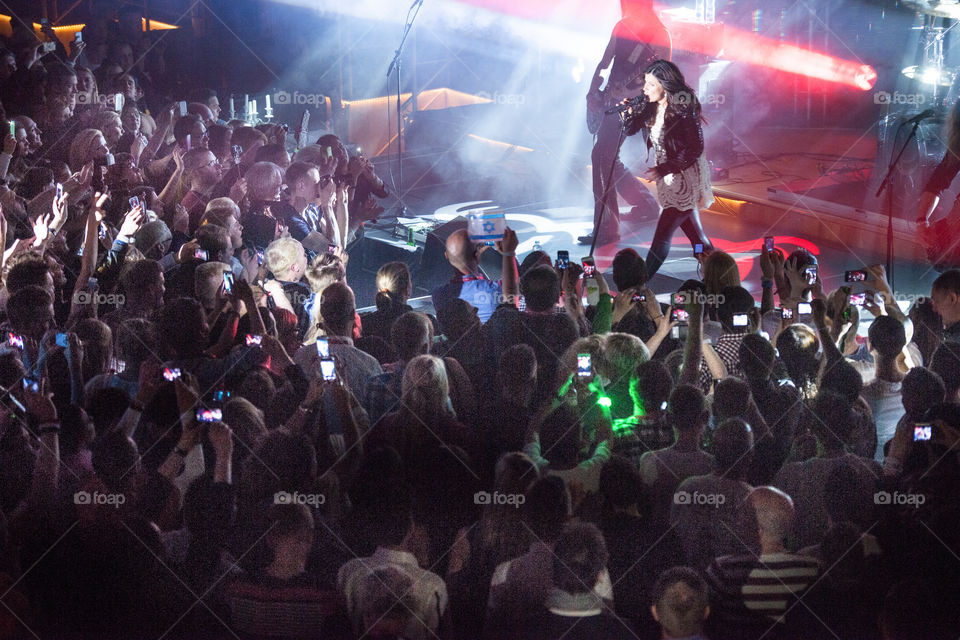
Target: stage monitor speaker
x=435, y=270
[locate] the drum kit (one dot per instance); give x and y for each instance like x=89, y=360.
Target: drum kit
x=937, y=89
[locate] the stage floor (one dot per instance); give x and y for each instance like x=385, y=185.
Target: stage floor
x=842, y=237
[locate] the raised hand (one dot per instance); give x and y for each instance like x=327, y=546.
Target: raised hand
x=9, y=144
x=181, y=219
x=131, y=222
x=41, y=229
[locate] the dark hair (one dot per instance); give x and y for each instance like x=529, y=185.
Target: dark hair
x=136, y=276
x=213, y=239
x=927, y=328
x=948, y=282
x=219, y=138
x=547, y=507
x=650, y=386
x=629, y=269
x=730, y=398
x=842, y=378
x=757, y=357
x=560, y=434
x=115, y=456
x=517, y=366
x=23, y=305
x=833, y=421
x=736, y=300
x=34, y=182
x=201, y=94
x=732, y=445
x=922, y=388
x=337, y=306
x=620, y=483
x=106, y=406
x=30, y=271
x=686, y=407
x=182, y=326
x=540, y=287
x=681, y=614
x=409, y=333
x=679, y=94
x=184, y=127
x=887, y=336
x=844, y=495
x=533, y=259
x=579, y=556
x=799, y=350
x=946, y=364
x=270, y=153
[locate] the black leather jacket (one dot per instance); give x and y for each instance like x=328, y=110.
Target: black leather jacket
x=682, y=135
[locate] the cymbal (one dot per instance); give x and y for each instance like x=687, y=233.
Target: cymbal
x=931, y=75
x=938, y=8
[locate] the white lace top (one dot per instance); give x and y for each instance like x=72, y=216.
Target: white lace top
x=689, y=189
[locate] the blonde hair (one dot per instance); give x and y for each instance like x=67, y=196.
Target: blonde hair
x=425, y=389
x=80, y=148
x=393, y=284
x=720, y=270
x=94, y=95
x=106, y=117
x=281, y=254
x=622, y=353
x=264, y=180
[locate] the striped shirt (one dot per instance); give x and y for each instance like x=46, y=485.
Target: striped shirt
x=745, y=587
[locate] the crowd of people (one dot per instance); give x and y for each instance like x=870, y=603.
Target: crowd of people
x=201, y=437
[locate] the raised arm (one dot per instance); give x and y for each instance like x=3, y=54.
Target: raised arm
x=693, y=348
x=510, y=277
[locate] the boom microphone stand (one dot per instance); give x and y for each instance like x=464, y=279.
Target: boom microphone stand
x=915, y=121
x=412, y=14
x=621, y=110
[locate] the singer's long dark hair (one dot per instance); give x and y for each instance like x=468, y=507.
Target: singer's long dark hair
x=679, y=94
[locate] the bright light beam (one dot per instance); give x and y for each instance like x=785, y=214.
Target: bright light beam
x=744, y=46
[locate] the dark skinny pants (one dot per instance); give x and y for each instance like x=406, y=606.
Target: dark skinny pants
x=670, y=219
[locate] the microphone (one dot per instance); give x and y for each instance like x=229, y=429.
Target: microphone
x=921, y=116
x=632, y=103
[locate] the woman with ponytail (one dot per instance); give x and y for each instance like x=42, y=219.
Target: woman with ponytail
x=671, y=123
x=393, y=289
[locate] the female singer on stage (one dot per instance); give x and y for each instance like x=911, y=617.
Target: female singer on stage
x=670, y=122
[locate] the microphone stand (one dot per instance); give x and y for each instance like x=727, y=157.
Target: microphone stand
x=412, y=14
x=621, y=110
x=886, y=185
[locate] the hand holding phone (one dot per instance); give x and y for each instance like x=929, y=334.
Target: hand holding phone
x=811, y=274
x=859, y=275
x=254, y=339
x=922, y=432
x=62, y=340
x=171, y=374
x=563, y=259
x=228, y=283
x=209, y=415
x=768, y=242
